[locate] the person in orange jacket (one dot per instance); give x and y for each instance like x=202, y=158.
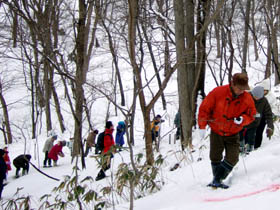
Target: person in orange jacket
x=226, y=109
x=155, y=126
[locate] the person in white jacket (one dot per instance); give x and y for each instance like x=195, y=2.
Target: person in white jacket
x=47, y=148
x=266, y=84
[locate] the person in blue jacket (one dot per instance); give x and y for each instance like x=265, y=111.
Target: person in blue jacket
x=119, y=134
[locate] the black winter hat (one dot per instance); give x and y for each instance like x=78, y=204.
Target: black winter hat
x=63, y=143
x=108, y=124
x=28, y=157
x=158, y=117
x=2, y=152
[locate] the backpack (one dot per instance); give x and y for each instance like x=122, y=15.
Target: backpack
x=100, y=143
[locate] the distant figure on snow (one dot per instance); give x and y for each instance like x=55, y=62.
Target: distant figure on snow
x=3, y=168
x=119, y=134
x=177, y=122
x=47, y=148
x=56, y=151
x=90, y=142
x=108, y=150
x=22, y=161
x=7, y=159
x=155, y=127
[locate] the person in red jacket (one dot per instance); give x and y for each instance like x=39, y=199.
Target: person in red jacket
x=226, y=109
x=3, y=168
x=7, y=159
x=56, y=151
x=108, y=151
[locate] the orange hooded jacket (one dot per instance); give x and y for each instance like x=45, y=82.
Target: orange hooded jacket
x=220, y=107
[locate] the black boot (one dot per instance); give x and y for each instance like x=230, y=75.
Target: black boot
x=221, y=172
x=17, y=171
x=215, y=166
x=100, y=175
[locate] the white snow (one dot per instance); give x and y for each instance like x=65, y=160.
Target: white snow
x=185, y=188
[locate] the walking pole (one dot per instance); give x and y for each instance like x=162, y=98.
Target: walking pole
x=245, y=168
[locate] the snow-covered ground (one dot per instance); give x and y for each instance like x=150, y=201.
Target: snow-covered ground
x=251, y=183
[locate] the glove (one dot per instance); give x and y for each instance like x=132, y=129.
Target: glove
x=274, y=117
x=238, y=120
x=202, y=133
x=269, y=132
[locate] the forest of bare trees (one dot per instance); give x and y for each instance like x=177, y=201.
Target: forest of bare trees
x=59, y=58
x=54, y=52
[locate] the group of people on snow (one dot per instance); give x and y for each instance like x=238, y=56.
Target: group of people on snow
x=52, y=152
x=237, y=118
x=235, y=115
x=108, y=147
x=20, y=162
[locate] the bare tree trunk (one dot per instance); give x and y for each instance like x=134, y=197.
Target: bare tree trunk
x=218, y=36
x=87, y=111
x=34, y=110
x=79, y=91
x=184, y=30
x=181, y=75
x=47, y=97
x=133, y=13
x=15, y=28
x=271, y=10
x=58, y=110
x=6, y=116
x=268, y=60
x=254, y=30
x=84, y=47
x=202, y=13
x=246, y=33
x=146, y=108
x=115, y=61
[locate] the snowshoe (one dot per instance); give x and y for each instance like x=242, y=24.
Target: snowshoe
x=214, y=184
x=175, y=167
x=99, y=178
x=199, y=159
x=100, y=175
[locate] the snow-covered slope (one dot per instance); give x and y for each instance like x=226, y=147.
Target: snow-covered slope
x=185, y=188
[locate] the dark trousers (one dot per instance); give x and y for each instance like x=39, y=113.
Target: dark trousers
x=154, y=135
x=229, y=144
x=1, y=187
x=248, y=136
x=17, y=170
x=259, y=133
x=47, y=159
x=178, y=133
x=105, y=165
